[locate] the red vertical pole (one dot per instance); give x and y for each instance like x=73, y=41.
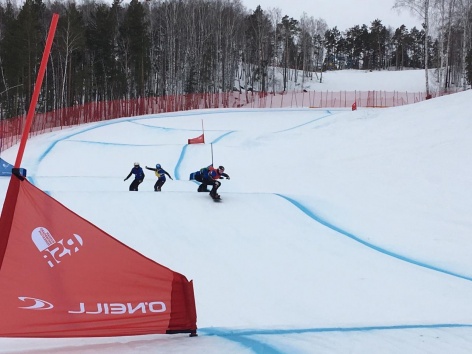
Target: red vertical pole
x=37, y=88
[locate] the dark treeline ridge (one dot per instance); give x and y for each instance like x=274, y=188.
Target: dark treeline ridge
x=154, y=48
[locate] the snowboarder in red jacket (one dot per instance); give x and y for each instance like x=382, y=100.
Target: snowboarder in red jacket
x=212, y=178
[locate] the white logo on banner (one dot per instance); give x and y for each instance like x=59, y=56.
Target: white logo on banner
x=37, y=304
x=54, y=251
x=103, y=308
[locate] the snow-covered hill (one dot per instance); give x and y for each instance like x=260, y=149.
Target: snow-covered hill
x=339, y=231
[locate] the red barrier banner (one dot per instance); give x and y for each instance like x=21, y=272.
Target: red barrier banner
x=61, y=276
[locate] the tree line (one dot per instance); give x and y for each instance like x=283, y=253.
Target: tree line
x=157, y=48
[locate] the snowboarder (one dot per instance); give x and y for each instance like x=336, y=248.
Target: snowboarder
x=138, y=177
x=212, y=177
x=161, y=177
x=199, y=177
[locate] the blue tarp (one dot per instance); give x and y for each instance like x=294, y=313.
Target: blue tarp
x=5, y=168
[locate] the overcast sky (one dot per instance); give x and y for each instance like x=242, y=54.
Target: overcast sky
x=341, y=13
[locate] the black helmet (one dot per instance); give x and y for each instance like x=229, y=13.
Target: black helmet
x=221, y=168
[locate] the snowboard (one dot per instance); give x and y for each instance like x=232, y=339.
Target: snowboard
x=216, y=199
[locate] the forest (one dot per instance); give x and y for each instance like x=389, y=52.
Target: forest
x=117, y=51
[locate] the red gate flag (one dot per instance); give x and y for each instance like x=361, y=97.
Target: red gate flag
x=354, y=106
x=198, y=140
x=61, y=276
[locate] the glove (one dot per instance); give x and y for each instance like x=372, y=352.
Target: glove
x=125, y=179
x=227, y=177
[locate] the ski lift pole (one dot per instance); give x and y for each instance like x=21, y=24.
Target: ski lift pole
x=37, y=89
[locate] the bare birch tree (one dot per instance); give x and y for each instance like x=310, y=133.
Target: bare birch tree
x=307, y=29
x=71, y=39
x=420, y=8
x=275, y=15
x=465, y=11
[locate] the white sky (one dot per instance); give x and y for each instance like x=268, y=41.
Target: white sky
x=338, y=232
x=341, y=13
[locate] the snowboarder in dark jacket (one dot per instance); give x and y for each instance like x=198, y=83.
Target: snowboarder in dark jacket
x=138, y=177
x=161, y=176
x=199, y=176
